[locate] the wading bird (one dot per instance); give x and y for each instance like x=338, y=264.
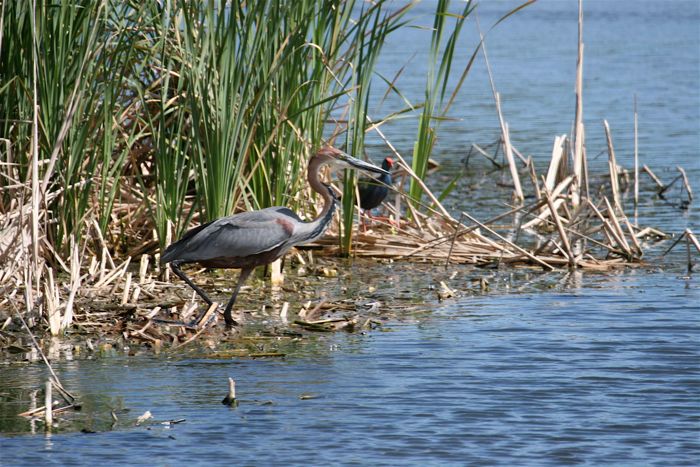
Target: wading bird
x=256, y=238
x=374, y=190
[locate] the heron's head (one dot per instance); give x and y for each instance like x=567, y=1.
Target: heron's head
x=340, y=160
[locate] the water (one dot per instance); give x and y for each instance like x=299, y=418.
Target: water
x=552, y=368
x=601, y=369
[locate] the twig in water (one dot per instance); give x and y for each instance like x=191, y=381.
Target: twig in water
x=693, y=239
x=686, y=184
x=652, y=175
x=687, y=249
x=230, y=398
x=48, y=403
x=690, y=238
x=636, y=157
x=579, y=134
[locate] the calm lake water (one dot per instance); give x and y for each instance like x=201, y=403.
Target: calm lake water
x=553, y=368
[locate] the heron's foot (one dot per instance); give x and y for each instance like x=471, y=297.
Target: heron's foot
x=232, y=322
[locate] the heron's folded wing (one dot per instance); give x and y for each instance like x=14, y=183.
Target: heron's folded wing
x=241, y=235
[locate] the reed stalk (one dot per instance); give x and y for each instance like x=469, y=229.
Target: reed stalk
x=442, y=53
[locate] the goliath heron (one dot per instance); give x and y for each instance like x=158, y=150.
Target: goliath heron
x=250, y=239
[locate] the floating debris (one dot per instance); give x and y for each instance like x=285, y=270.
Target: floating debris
x=230, y=398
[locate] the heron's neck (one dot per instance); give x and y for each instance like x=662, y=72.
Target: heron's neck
x=314, y=229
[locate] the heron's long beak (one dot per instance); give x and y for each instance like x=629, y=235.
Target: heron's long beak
x=347, y=161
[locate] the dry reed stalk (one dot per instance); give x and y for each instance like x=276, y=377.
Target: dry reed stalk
x=487, y=156
x=53, y=313
x=612, y=166
x=127, y=289
x=522, y=158
x=578, y=114
x=190, y=339
x=64, y=393
x=283, y=312
x=553, y=170
x=669, y=185
x=135, y=295
x=168, y=240
x=511, y=161
x=153, y=312
x=544, y=212
x=276, y=275
x=618, y=228
x=651, y=232
x=230, y=398
x=75, y=279
x=533, y=178
x=688, y=233
x=688, y=236
x=452, y=242
x=543, y=215
x=500, y=237
x=37, y=411
x=143, y=268
x=505, y=134
x=630, y=230
x=207, y=315
x=117, y=272
x=608, y=229
x=686, y=184
x=560, y=228
x=103, y=244
x=316, y=311
x=636, y=156
x=652, y=175
x=633, y=237
x=103, y=264
x=48, y=403
x=587, y=191
x=426, y=245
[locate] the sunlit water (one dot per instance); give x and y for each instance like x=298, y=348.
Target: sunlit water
x=544, y=369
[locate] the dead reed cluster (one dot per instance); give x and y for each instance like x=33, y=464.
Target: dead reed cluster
x=577, y=218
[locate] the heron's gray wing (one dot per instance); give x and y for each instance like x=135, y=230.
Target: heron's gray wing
x=240, y=235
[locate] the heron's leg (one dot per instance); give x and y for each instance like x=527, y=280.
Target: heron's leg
x=175, y=266
x=245, y=272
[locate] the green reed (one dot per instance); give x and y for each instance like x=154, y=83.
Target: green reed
x=442, y=54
